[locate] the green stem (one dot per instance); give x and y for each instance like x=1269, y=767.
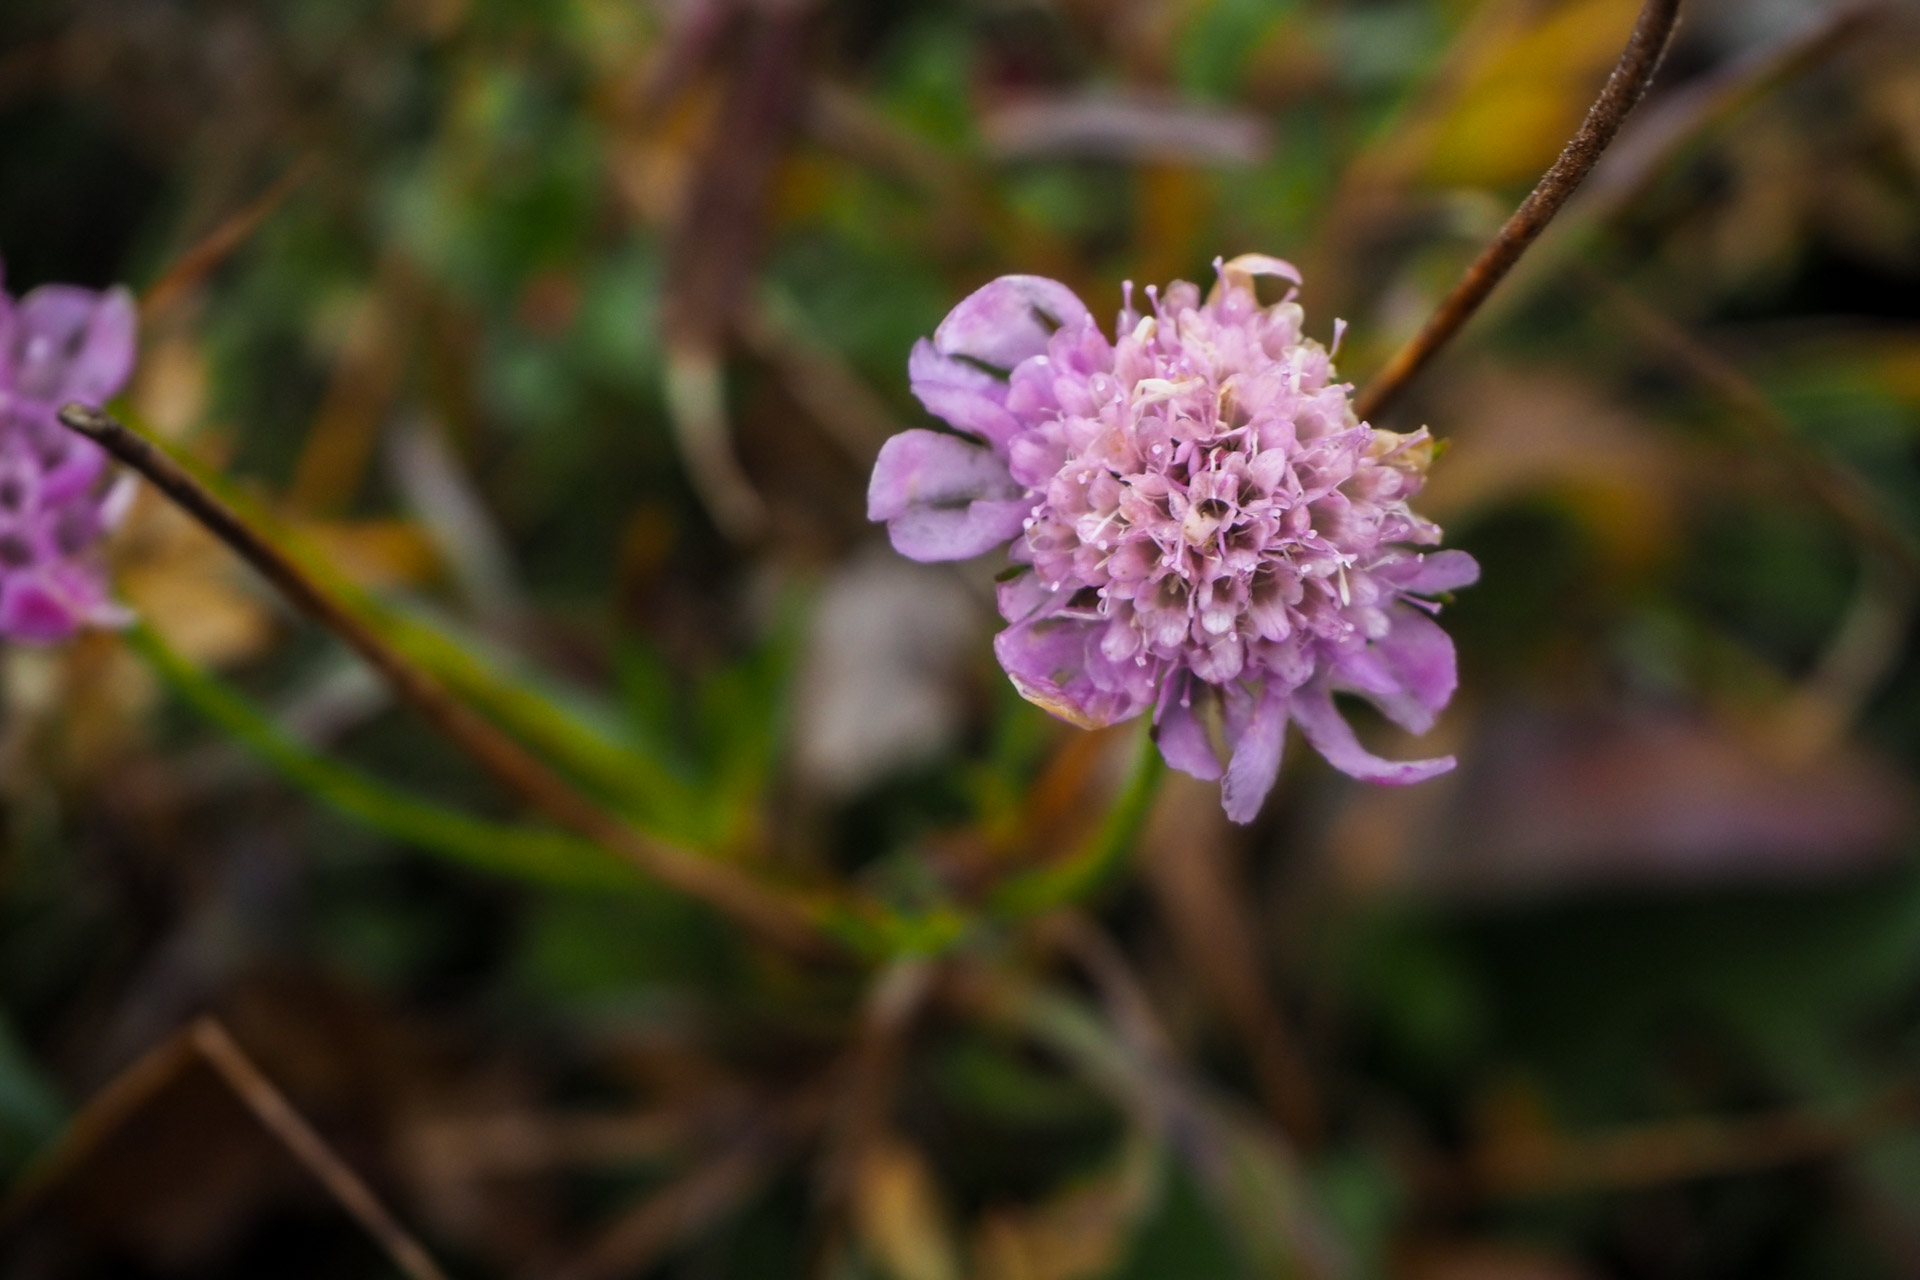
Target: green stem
x=1096, y=861
x=529, y=852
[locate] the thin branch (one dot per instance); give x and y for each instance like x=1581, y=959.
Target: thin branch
x=1665, y=131
x=726, y=888
x=1839, y=490
x=213, y=249
x=1658, y=1154
x=461, y=1149
x=126, y=1094
x=205, y=1040
x=1659, y=136
x=277, y=1115
x=538, y=852
x=1248, y=1171
x=1624, y=88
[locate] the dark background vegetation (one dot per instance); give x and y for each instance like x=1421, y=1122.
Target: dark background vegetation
x=1635, y=992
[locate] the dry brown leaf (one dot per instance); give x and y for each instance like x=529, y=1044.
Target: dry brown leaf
x=187, y=586
x=170, y=393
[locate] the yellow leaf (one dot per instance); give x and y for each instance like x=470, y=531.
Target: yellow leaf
x=1526, y=96
x=896, y=1208
x=375, y=553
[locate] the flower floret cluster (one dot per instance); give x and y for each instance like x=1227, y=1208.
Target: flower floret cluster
x=58, y=344
x=1200, y=527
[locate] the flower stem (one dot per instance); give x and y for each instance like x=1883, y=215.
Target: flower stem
x=775, y=917
x=1623, y=90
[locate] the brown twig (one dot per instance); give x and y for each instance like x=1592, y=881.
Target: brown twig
x=205, y=1040
x=277, y=1115
x=1130, y=1055
x=848, y=410
x=1665, y=132
x=1828, y=482
x=689, y=1204
x=1624, y=88
x=1654, y=1155
x=212, y=249
x=517, y=1144
x=724, y=887
x=124, y=1095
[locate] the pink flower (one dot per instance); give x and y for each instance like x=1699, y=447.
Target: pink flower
x=57, y=345
x=1196, y=518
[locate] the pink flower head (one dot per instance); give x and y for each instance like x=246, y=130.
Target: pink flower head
x=1195, y=516
x=57, y=345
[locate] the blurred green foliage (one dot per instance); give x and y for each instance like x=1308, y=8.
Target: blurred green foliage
x=1668, y=900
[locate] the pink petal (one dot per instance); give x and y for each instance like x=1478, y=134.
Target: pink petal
x=31, y=612
x=1008, y=320
x=1022, y=596
x=1420, y=656
x=1433, y=573
x=73, y=344
x=1181, y=736
x=943, y=498
x=1255, y=765
x=965, y=396
x=1328, y=732
x=1048, y=660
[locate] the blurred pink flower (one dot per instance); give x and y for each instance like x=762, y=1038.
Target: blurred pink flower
x=58, y=344
x=1195, y=516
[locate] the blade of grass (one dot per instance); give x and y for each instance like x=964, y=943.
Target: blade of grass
x=552, y=857
x=647, y=790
